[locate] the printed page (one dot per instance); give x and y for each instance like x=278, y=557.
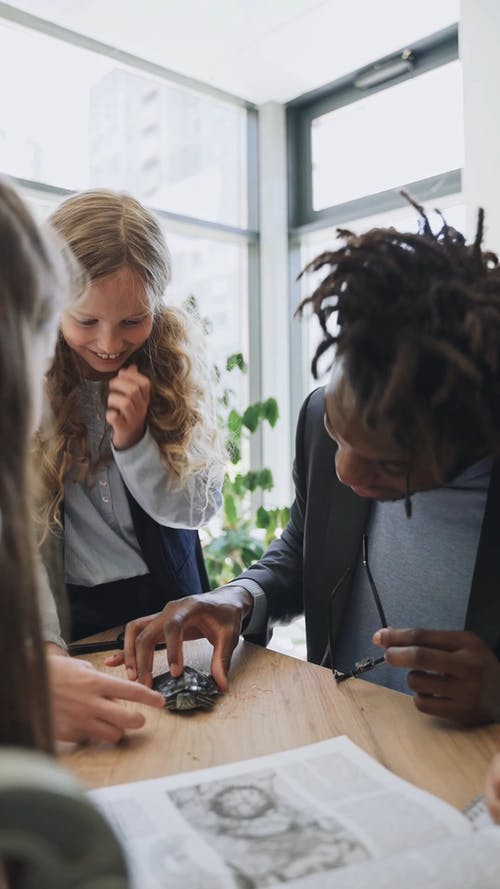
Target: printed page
x=324, y=814
x=477, y=813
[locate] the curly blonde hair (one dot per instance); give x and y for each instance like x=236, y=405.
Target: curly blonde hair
x=108, y=231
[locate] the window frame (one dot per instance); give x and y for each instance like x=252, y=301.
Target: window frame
x=432, y=52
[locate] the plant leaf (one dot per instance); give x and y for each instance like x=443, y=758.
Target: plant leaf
x=271, y=411
x=252, y=416
x=266, y=481
x=236, y=360
x=262, y=517
x=284, y=516
x=240, y=485
x=252, y=480
x=230, y=510
x=234, y=452
x=234, y=423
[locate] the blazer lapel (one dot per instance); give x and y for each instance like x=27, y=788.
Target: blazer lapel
x=348, y=518
x=483, y=613
x=330, y=553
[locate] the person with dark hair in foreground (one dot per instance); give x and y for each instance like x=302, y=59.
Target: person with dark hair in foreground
x=395, y=522
x=40, y=697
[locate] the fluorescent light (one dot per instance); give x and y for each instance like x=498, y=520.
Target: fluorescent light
x=382, y=71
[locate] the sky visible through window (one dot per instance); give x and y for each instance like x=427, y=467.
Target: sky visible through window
x=404, y=133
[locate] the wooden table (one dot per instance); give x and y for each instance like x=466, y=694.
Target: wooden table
x=276, y=702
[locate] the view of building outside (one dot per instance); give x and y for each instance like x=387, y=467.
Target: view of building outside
x=83, y=120
x=44, y=115
x=77, y=120
x=174, y=149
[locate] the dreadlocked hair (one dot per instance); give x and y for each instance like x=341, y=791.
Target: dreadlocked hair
x=418, y=332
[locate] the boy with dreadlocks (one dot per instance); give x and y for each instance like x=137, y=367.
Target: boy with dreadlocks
x=410, y=421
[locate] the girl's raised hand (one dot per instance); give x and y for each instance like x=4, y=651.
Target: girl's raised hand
x=87, y=705
x=127, y=407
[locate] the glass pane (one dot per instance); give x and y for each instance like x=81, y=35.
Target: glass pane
x=75, y=119
x=398, y=135
x=215, y=273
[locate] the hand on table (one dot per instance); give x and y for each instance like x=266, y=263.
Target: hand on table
x=453, y=674
x=216, y=616
x=128, y=402
x=492, y=789
x=85, y=703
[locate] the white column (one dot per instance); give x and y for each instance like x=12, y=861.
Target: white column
x=479, y=51
x=275, y=347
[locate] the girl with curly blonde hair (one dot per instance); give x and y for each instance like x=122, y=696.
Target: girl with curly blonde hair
x=131, y=457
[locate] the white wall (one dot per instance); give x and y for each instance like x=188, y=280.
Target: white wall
x=479, y=51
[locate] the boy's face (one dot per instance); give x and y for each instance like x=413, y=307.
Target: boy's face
x=369, y=460
x=109, y=324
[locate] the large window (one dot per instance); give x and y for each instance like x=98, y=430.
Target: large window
x=74, y=117
x=400, y=134
x=213, y=271
x=352, y=150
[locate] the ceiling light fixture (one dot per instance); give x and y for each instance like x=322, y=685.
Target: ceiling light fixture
x=387, y=70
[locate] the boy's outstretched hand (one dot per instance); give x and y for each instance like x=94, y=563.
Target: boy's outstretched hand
x=216, y=616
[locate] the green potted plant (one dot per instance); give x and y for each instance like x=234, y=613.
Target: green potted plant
x=244, y=531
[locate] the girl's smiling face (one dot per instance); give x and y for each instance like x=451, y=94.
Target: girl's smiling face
x=109, y=323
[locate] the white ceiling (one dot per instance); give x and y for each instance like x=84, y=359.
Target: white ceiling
x=261, y=50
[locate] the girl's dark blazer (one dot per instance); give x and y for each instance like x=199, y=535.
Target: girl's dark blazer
x=323, y=538
x=173, y=555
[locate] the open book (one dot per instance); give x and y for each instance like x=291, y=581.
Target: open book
x=324, y=815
